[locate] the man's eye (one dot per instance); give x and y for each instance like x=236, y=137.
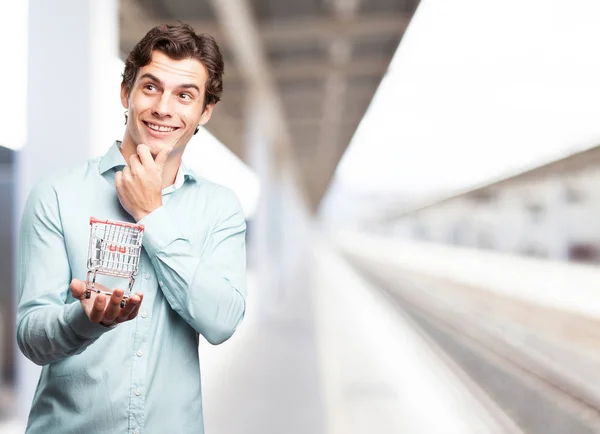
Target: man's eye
x=150, y=87
x=186, y=96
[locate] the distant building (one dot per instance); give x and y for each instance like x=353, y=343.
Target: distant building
x=552, y=211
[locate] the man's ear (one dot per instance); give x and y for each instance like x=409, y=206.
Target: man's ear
x=124, y=96
x=206, y=114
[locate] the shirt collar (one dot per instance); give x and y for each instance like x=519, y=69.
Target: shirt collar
x=113, y=159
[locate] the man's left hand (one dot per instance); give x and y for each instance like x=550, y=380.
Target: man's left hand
x=139, y=185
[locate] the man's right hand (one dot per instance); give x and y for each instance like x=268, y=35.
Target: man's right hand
x=106, y=310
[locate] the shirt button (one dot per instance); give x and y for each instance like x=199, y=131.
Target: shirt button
x=144, y=314
x=147, y=276
x=140, y=353
x=138, y=391
x=160, y=283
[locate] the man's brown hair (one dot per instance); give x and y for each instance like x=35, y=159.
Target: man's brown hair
x=179, y=41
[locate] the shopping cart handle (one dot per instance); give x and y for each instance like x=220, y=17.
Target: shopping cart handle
x=116, y=222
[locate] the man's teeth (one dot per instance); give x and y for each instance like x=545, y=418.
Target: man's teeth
x=161, y=128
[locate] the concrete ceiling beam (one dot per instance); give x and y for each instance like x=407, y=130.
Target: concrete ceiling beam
x=293, y=31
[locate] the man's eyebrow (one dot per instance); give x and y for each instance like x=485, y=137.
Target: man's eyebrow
x=157, y=80
x=151, y=77
x=190, y=86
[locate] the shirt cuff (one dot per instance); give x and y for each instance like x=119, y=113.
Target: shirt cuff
x=81, y=324
x=159, y=231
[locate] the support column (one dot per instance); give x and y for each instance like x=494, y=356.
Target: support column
x=263, y=238
x=281, y=232
x=71, y=57
x=12, y=136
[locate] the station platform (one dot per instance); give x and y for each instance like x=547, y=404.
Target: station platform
x=337, y=359
x=362, y=339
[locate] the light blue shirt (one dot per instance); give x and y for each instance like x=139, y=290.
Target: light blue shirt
x=141, y=376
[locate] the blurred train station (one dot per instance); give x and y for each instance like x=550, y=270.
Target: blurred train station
x=420, y=184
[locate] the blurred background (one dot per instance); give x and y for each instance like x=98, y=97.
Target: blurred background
x=419, y=180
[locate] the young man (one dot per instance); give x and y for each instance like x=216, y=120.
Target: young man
x=135, y=369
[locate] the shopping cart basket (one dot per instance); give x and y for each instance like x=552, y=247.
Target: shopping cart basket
x=114, y=250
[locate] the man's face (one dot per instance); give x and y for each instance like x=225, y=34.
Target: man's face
x=165, y=103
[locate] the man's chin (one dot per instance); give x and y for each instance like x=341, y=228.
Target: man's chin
x=158, y=144
x=155, y=148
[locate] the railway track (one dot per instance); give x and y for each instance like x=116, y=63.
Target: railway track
x=525, y=391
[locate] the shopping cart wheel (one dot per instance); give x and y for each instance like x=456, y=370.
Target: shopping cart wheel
x=88, y=294
x=123, y=303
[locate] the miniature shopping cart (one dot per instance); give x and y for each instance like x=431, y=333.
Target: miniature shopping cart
x=114, y=250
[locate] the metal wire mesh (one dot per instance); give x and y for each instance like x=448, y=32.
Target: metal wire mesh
x=114, y=249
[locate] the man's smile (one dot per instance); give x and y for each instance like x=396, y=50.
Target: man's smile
x=160, y=128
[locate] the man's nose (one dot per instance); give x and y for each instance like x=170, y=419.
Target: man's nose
x=161, y=107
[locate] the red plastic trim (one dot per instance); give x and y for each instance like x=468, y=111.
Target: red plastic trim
x=116, y=223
